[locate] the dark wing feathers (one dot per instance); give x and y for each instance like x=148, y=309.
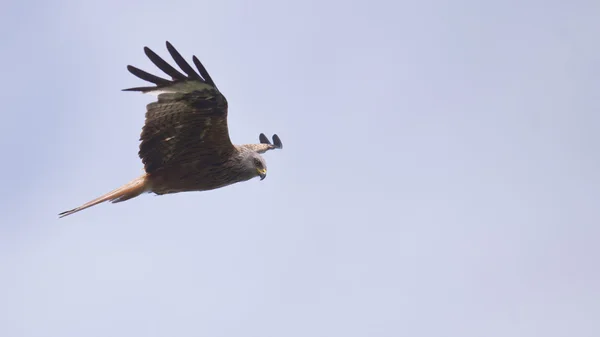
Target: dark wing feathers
x=265, y=144
x=182, y=63
x=201, y=76
x=277, y=142
x=163, y=65
x=203, y=71
x=147, y=76
x=188, y=123
x=179, y=131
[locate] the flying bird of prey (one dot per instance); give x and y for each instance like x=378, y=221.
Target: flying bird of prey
x=185, y=143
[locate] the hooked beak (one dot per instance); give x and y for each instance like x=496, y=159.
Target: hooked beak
x=262, y=173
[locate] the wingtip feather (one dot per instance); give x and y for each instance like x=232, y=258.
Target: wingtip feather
x=163, y=65
x=277, y=141
x=203, y=72
x=263, y=139
x=182, y=63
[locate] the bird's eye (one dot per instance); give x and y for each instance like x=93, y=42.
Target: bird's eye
x=257, y=163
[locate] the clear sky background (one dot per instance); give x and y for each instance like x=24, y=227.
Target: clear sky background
x=439, y=177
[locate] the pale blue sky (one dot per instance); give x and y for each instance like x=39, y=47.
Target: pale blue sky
x=439, y=176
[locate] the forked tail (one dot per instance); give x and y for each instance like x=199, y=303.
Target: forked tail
x=130, y=190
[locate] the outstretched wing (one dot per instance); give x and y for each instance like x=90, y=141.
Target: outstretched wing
x=188, y=122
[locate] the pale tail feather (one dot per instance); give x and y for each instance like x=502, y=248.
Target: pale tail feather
x=130, y=190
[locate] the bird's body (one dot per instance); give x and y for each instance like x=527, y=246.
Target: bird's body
x=185, y=143
x=197, y=176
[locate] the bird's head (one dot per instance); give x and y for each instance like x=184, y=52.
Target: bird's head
x=254, y=165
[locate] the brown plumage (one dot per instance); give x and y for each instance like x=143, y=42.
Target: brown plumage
x=185, y=143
